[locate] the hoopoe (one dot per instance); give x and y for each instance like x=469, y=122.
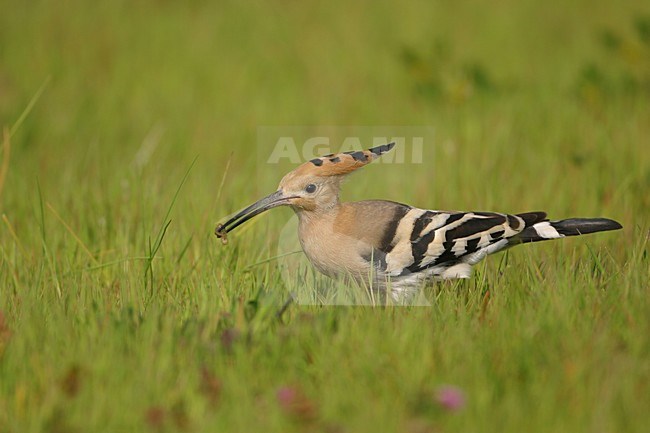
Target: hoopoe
x=402, y=246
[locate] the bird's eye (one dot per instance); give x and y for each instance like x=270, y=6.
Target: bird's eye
x=311, y=188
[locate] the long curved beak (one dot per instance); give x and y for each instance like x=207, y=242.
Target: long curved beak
x=262, y=205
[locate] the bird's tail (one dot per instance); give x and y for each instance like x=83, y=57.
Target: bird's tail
x=545, y=230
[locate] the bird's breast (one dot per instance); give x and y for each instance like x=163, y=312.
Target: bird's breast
x=331, y=250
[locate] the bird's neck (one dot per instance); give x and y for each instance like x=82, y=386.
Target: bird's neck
x=319, y=213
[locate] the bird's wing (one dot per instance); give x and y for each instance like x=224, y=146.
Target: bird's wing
x=426, y=238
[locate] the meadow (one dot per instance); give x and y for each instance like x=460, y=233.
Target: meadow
x=131, y=128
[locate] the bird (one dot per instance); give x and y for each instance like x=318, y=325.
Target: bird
x=391, y=247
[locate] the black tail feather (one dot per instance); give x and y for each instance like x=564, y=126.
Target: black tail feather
x=545, y=230
x=583, y=226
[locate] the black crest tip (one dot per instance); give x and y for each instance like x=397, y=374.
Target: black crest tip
x=379, y=150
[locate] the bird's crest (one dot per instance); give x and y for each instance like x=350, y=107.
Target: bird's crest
x=337, y=164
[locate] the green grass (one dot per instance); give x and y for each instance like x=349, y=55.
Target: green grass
x=120, y=310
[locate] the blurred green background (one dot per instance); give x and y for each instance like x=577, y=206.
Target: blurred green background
x=113, y=321
x=504, y=85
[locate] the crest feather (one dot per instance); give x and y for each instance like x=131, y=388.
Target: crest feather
x=337, y=164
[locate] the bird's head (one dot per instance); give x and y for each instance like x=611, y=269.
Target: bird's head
x=313, y=186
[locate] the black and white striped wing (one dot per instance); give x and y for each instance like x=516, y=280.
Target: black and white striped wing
x=427, y=239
